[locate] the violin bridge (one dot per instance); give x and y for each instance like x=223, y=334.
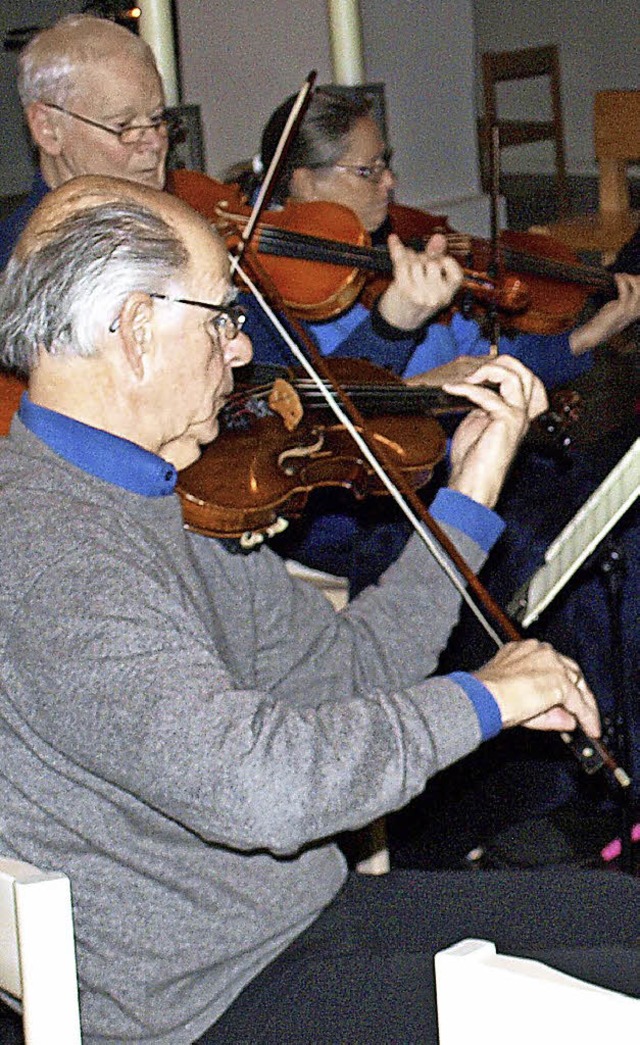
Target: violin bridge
x=285, y=402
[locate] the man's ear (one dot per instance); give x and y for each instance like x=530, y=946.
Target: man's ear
x=44, y=128
x=135, y=328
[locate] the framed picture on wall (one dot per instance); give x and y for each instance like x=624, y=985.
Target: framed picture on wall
x=186, y=144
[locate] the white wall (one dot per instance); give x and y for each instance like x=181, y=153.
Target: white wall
x=262, y=51
x=424, y=53
x=239, y=61
x=599, y=50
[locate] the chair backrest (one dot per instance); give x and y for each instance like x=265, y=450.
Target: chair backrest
x=616, y=132
x=524, y=64
x=37, y=953
x=507, y=999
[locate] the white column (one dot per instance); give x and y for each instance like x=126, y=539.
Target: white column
x=346, y=42
x=156, y=27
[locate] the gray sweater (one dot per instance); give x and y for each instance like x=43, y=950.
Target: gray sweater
x=183, y=729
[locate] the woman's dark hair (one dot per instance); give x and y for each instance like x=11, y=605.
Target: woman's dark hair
x=320, y=140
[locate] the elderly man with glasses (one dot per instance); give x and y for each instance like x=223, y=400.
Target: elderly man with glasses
x=94, y=104
x=183, y=728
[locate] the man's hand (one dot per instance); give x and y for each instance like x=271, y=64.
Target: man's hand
x=486, y=441
x=612, y=318
x=537, y=687
x=423, y=284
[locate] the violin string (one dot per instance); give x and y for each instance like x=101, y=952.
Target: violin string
x=533, y=264
x=274, y=240
x=372, y=399
x=437, y=553
x=429, y=398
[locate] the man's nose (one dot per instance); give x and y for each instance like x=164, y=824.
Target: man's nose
x=239, y=350
x=388, y=179
x=156, y=137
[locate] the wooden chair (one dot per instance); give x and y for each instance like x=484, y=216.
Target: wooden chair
x=37, y=955
x=525, y=64
x=616, y=131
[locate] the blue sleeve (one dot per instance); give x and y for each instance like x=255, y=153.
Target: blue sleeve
x=478, y=522
x=485, y=527
x=442, y=342
x=352, y=335
x=549, y=356
x=361, y=334
x=483, y=701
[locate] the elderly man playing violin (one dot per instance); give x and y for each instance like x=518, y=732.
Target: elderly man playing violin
x=184, y=728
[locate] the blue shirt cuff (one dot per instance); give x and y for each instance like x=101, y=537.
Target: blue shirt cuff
x=486, y=708
x=478, y=522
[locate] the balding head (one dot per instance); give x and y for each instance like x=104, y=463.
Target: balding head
x=50, y=67
x=115, y=302
x=86, y=246
x=83, y=81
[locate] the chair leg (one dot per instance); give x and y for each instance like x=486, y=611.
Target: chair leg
x=614, y=186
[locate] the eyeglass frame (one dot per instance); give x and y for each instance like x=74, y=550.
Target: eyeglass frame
x=369, y=171
x=162, y=124
x=233, y=315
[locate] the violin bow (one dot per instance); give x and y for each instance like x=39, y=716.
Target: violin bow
x=289, y=131
x=591, y=753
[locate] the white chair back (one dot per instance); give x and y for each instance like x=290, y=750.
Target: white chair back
x=497, y=999
x=37, y=954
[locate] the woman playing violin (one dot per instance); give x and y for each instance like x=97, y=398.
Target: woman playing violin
x=339, y=156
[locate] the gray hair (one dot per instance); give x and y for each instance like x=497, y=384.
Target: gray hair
x=49, y=65
x=321, y=138
x=65, y=293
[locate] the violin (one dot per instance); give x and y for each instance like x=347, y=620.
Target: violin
x=320, y=259
x=11, y=388
x=558, y=285
x=279, y=441
x=317, y=254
